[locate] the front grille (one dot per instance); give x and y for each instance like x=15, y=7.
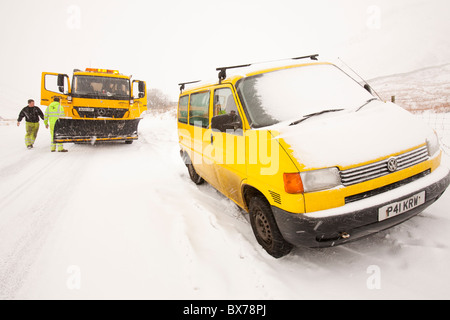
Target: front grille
x=88, y=112
x=386, y=188
x=380, y=168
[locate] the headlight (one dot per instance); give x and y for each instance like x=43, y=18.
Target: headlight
x=433, y=144
x=321, y=179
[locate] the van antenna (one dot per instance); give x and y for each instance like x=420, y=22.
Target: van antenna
x=182, y=85
x=367, y=86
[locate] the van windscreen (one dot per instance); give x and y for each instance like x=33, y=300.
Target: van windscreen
x=289, y=94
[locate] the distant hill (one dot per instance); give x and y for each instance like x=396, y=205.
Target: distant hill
x=419, y=90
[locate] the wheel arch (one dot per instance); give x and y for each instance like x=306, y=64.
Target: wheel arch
x=249, y=191
x=185, y=156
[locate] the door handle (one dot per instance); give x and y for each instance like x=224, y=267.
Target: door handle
x=212, y=138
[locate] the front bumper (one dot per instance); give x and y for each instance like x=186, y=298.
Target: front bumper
x=357, y=219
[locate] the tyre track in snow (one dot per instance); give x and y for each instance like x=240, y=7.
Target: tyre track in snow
x=23, y=184
x=29, y=215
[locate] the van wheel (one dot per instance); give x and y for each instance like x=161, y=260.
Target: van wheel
x=195, y=177
x=265, y=228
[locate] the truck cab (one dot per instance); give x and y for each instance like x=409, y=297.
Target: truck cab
x=100, y=105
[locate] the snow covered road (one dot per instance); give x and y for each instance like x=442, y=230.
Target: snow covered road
x=116, y=221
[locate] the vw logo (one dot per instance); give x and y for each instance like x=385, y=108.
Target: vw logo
x=392, y=164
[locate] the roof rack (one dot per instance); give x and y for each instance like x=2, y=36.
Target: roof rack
x=312, y=57
x=223, y=70
x=182, y=85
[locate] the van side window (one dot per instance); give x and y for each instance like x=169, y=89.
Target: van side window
x=183, y=109
x=225, y=115
x=199, y=109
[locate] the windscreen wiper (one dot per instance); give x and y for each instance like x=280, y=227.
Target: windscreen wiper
x=313, y=115
x=366, y=103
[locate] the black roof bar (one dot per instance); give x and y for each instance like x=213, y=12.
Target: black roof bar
x=223, y=70
x=182, y=85
x=312, y=57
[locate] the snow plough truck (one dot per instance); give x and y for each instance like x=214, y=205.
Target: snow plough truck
x=99, y=104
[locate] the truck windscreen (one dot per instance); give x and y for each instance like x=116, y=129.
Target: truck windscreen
x=101, y=87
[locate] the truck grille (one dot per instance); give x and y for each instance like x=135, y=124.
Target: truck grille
x=380, y=168
x=88, y=112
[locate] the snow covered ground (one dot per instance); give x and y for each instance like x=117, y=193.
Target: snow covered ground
x=125, y=221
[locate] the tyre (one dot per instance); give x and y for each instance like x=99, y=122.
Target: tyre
x=129, y=142
x=195, y=177
x=265, y=228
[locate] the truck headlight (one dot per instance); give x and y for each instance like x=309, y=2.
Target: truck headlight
x=321, y=179
x=433, y=144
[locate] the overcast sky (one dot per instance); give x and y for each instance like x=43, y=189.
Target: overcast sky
x=170, y=41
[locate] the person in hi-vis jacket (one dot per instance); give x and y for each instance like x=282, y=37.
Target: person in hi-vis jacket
x=54, y=111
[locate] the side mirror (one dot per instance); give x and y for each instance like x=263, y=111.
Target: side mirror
x=141, y=88
x=225, y=122
x=217, y=123
x=60, y=83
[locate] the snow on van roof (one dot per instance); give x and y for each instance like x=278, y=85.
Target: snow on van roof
x=249, y=69
x=263, y=66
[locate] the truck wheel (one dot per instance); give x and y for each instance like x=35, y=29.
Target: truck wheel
x=195, y=177
x=265, y=228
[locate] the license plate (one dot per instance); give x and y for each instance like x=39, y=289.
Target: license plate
x=399, y=207
x=86, y=109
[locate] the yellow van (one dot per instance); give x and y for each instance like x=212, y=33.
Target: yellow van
x=313, y=157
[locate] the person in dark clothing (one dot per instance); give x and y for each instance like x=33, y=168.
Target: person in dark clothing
x=31, y=115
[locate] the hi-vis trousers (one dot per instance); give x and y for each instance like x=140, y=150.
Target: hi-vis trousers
x=32, y=129
x=53, y=145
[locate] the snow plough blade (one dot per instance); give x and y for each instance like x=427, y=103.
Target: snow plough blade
x=91, y=130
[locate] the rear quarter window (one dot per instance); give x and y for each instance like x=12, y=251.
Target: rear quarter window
x=183, y=109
